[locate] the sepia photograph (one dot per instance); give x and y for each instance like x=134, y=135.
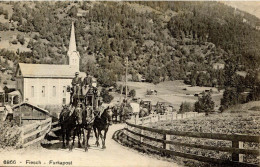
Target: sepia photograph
x=130, y=83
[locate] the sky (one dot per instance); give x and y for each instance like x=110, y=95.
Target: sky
x=252, y=7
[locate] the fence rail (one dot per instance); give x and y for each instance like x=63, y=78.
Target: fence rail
x=158, y=117
x=236, y=150
x=35, y=132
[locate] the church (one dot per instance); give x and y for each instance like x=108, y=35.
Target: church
x=46, y=84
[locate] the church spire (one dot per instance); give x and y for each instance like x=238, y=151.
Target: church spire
x=72, y=46
x=73, y=54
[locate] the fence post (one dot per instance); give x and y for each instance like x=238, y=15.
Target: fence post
x=142, y=120
x=126, y=133
x=22, y=138
x=141, y=138
x=235, y=156
x=158, y=117
x=166, y=137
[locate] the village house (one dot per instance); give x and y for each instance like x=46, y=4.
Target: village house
x=46, y=84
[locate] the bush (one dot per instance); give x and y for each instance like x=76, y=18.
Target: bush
x=205, y=103
x=107, y=98
x=185, y=107
x=132, y=93
x=14, y=42
x=21, y=39
x=10, y=134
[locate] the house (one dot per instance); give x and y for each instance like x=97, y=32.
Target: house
x=9, y=88
x=218, y=66
x=46, y=84
x=14, y=97
x=29, y=113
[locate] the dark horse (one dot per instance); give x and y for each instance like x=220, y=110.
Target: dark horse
x=71, y=122
x=102, y=123
x=87, y=124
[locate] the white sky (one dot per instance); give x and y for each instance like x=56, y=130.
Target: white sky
x=252, y=7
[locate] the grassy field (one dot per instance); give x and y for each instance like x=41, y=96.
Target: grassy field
x=174, y=92
x=232, y=121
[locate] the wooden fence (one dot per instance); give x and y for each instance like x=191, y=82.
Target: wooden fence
x=157, y=117
x=35, y=132
x=135, y=133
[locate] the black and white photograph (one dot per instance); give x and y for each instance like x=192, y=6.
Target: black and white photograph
x=130, y=83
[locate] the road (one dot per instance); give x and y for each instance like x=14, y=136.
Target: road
x=114, y=155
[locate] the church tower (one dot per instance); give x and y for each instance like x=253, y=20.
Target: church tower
x=73, y=54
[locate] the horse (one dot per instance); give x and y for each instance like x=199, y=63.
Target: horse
x=87, y=124
x=70, y=122
x=102, y=123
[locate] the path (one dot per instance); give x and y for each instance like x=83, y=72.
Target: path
x=114, y=155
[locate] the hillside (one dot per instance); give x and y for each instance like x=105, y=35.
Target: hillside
x=163, y=40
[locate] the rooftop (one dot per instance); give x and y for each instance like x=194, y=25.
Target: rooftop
x=47, y=70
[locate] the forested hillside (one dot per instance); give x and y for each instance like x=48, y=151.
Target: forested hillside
x=195, y=41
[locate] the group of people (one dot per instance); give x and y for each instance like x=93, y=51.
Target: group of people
x=77, y=83
x=80, y=87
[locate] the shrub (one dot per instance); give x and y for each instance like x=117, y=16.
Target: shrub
x=185, y=107
x=132, y=93
x=107, y=98
x=205, y=103
x=10, y=134
x=14, y=42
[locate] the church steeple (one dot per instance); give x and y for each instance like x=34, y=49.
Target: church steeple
x=73, y=54
x=72, y=46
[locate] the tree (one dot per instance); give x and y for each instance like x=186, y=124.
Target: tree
x=73, y=11
x=107, y=98
x=204, y=103
x=185, y=107
x=132, y=93
x=21, y=39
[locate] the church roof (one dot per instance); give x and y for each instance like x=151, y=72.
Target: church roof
x=46, y=70
x=72, y=45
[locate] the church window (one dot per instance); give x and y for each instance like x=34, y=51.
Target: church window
x=64, y=91
x=54, y=91
x=43, y=91
x=32, y=91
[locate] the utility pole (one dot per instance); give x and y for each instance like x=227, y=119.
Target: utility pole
x=126, y=69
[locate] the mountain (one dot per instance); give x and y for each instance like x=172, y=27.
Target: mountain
x=162, y=40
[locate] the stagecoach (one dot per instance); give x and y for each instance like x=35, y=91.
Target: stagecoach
x=88, y=97
x=84, y=113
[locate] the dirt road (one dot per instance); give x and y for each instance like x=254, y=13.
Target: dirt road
x=114, y=155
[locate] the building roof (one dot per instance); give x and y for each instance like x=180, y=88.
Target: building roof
x=14, y=93
x=72, y=45
x=9, y=87
x=47, y=70
x=32, y=105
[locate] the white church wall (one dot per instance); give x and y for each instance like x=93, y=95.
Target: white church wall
x=40, y=91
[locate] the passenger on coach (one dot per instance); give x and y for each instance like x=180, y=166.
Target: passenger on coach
x=76, y=83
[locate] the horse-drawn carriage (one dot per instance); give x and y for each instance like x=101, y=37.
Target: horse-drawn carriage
x=85, y=111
